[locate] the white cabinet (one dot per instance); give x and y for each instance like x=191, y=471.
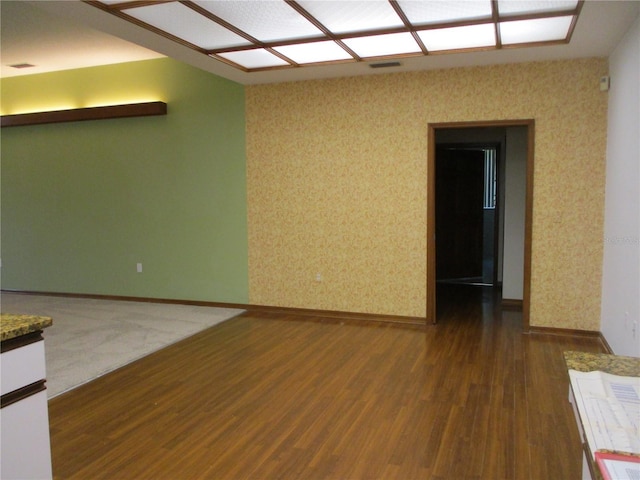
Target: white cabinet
x=26, y=452
x=24, y=417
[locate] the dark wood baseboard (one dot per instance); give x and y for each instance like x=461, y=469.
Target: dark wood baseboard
x=338, y=315
x=569, y=332
x=511, y=304
x=605, y=344
x=299, y=312
x=123, y=298
x=564, y=331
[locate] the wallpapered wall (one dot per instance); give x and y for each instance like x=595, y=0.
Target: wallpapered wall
x=336, y=185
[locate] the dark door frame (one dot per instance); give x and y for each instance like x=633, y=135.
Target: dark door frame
x=431, y=210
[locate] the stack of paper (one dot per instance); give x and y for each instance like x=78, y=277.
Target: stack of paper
x=609, y=407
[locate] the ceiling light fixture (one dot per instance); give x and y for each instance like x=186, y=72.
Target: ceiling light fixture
x=80, y=114
x=255, y=35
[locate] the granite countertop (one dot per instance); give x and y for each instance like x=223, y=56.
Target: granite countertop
x=12, y=325
x=614, y=364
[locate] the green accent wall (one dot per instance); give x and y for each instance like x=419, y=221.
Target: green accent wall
x=84, y=202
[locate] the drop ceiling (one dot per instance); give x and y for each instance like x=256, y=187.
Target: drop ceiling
x=281, y=40
x=276, y=34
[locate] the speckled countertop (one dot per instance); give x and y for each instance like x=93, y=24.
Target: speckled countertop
x=614, y=364
x=12, y=326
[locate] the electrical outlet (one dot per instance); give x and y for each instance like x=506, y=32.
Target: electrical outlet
x=318, y=277
x=139, y=267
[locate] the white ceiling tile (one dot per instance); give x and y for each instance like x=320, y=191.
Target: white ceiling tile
x=353, y=16
x=430, y=12
x=188, y=25
x=522, y=7
x=254, y=58
x=537, y=30
x=266, y=20
x=380, y=45
x=314, y=52
x=470, y=36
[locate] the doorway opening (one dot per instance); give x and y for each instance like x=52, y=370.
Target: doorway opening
x=480, y=178
x=467, y=213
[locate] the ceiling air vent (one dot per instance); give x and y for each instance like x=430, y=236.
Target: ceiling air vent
x=21, y=65
x=385, y=65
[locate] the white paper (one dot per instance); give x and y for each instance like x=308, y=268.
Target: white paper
x=609, y=407
x=621, y=470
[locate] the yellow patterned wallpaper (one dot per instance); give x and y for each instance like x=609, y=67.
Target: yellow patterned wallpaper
x=337, y=181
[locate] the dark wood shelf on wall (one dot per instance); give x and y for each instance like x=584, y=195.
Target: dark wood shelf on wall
x=91, y=113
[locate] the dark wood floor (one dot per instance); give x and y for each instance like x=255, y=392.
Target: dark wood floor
x=272, y=397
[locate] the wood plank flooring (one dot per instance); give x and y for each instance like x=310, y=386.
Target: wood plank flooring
x=274, y=397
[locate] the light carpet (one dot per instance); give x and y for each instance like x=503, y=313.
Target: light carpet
x=91, y=337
